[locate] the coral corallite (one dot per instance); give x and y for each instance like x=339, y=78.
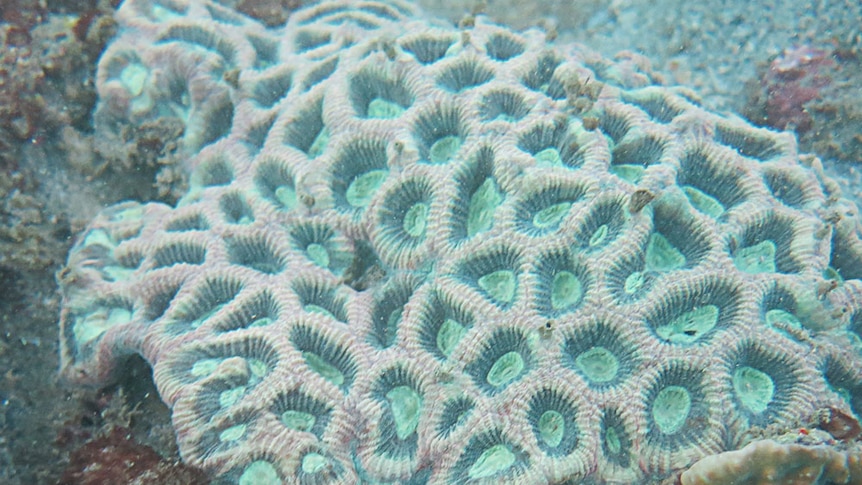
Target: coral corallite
x=417, y=254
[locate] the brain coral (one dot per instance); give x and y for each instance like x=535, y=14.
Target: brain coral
x=418, y=254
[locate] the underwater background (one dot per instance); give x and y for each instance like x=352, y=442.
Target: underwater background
x=786, y=65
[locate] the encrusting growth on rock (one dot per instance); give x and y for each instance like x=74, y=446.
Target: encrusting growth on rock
x=406, y=257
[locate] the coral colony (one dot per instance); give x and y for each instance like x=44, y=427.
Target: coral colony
x=413, y=253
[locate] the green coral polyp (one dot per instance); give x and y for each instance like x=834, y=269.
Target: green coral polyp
x=205, y=367
x=233, y=433
x=779, y=318
x=551, y=216
x=319, y=144
x=118, y=273
x=599, y=236
x=313, y=463
x=362, y=188
x=444, y=149
x=197, y=322
x=406, y=406
x=99, y=237
x=495, y=460
x=627, y=172
x=298, y=420
x=661, y=255
x=598, y=364
x=286, y=196
x=312, y=308
x=566, y=291
x=759, y=258
x=134, y=78
x=416, y=219
x=754, y=388
x=260, y=472
x=552, y=428
x=483, y=202
x=690, y=326
x=258, y=368
x=612, y=441
x=449, y=335
x=228, y=398
x=499, y=285
x=92, y=326
x=634, y=282
x=318, y=254
x=324, y=368
x=704, y=202
x=549, y=157
x=382, y=108
x=671, y=408
x=506, y=369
